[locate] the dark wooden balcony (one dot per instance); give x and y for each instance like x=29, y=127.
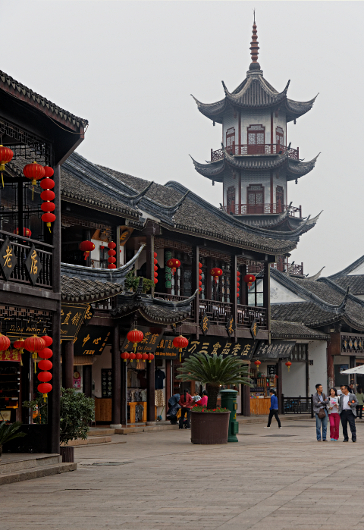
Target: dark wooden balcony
x=21, y=248
x=256, y=149
x=262, y=209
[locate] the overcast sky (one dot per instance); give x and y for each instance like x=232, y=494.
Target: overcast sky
x=130, y=67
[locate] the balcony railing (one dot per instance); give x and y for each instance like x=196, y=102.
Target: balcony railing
x=219, y=312
x=263, y=208
x=256, y=149
x=294, y=269
x=21, y=247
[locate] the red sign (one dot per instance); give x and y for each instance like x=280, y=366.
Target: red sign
x=10, y=355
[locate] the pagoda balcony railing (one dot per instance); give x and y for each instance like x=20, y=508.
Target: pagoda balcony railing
x=255, y=149
x=262, y=209
x=219, y=312
x=21, y=249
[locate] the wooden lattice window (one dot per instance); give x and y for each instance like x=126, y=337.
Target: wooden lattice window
x=230, y=140
x=279, y=137
x=279, y=199
x=256, y=139
x=230, y=199
x=255, y=196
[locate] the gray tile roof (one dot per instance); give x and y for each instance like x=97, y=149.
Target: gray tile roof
x=77, y=290
x=295, y=330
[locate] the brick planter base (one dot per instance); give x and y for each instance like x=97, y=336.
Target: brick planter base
x=209, y=427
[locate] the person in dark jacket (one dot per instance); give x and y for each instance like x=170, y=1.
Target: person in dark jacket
x=273, y=410
x=174, y=406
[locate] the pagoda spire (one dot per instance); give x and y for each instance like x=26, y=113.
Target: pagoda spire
x=254, y=65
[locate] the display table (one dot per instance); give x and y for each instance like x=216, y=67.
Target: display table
x=132, y=405
x=259, y=406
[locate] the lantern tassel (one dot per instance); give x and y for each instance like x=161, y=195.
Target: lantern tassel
x=2, y=178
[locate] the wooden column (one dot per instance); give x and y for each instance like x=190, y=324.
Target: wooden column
x=124, y=402
x=87, y=380
x=151, y=391
x=168, y=381
x=208, y=279
x=67, y=363
x=116, y=378
x=245, y=400
x=233, y=297
x=266, y=292
x=27, y=395
x=279, y=386
x=330, y=366
x=195, y=286
x=243, y=286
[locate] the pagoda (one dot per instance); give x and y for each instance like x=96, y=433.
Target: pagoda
x=256, y=162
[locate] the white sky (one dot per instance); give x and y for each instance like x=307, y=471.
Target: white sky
x=130, y=67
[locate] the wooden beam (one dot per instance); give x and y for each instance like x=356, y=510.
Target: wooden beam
x=151, y=391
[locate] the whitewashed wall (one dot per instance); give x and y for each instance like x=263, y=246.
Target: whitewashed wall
x=294, y=381
x=318, y=371
x=102, y=361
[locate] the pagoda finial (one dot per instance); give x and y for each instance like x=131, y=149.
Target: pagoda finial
x=254, y=48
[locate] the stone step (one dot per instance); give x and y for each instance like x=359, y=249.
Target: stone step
x=36, y=472
x=107, y=431
x=91, y=440
x=27, y=463
x=145, y=428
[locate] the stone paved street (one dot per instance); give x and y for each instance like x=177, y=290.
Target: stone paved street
x=272, y=479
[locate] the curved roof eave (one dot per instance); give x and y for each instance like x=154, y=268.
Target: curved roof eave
x=211, y=170
x=297, y=169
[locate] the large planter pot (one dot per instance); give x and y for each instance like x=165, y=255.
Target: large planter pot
x=67, y=453
x=209, y=427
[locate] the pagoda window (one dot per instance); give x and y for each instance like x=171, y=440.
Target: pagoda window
x=230, y=140
x=279, y=199
x=279, y=138
x=255, y=196
x=230, y=200
x=256, y=139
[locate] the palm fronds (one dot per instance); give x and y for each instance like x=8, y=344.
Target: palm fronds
x=9, y=432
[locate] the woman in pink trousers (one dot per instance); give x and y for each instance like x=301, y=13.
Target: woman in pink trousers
x=334, y=416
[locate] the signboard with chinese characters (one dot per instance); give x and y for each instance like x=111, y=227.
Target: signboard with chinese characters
x=8, y=260
x=166, y=349
x=91, y=340
x=275, y=350
x=152, y=337
x=33, y=265
x=244, y=348
x=10, y=355
x=72, y=317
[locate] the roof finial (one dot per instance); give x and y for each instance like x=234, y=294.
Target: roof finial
x=254, y=48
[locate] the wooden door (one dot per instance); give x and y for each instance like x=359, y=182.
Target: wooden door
x=255, y=199
x=279, y=140
x=279, y=199
x=230, y=200
x=256, y=140
x=230, y=141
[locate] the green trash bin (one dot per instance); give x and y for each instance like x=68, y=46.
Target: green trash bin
x=228, y=401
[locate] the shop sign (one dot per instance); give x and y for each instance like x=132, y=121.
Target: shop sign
x=20, y=328
x=254, y=330
x=91, y=340
x=125, y=233
x=244, y=348
x=166, y=349
x=204, y=324
x=230, y=327
x=72, y=317
x=275, y=350
x=272, y=369
x=8, y=260
x=33, y=265
x=10, y=355
x=152, y=337
x=352, y=343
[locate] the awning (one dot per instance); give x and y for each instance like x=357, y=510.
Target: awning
x=276, y=350
x=356, y=370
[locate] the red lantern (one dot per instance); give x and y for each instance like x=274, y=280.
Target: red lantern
x=138, y=356
x=125, y=356
x=19, y=345
x=111, y=245
x=44, y=388
x=48, y=207
x=44, y=377
x=200, y=276
x=150, y=357
x=47, y=184
x=173, y=264
x=288, y=364
x=34, y=172
x=155, y=280
x=156, y=275
x=4, y=342
x=86, y=247
x=180, y=342
x=249, y=278
x=102, y=247
x=200, y=284
x=155, y=268
x=135, y=336
x=26, y=232
x=111, y=266
x=48, y=218
x=145, y=356
x=34, y=344
x=132, y=356
x=111, y=260
x=45, y=365
x=47, y=195
x=155, y=261
x=48, y=171
x=111, y=253
x=6, y=155
x=155, y=255
x=46, y=353
x=48, y=340
x=257, y=363
x=216, y=273
x=238, y=273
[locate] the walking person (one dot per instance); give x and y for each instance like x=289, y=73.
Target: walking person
x=186, y=403
x=347, y=411
x=319, y=407
x=360, y=397
x=334, y=416
x=273, y=410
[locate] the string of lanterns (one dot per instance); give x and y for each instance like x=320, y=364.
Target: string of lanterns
x=26, y=232
x=200, y=277
x=111, y=253
x=45, y=365
x=173, y=264
x=6, y=155
x=48, y=196
x=237, y=283
x=155, y=268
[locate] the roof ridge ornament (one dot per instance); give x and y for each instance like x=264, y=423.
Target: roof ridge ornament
x=254, y=65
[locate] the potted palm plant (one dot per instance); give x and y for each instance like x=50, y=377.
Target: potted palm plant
x=9, y=432
x=210, y=424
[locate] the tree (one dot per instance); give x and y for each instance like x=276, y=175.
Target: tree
x=214, y=371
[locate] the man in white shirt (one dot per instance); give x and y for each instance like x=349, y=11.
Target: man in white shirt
x=347, y=411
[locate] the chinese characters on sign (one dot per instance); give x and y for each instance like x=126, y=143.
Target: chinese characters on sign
x=91, y=340
x=205, y=324
x=8, y=259
x=71, y=319
x=152, y=337
x=244, y=348
x=276, y=350
x=10, y=355
x=33, y=265
x=166, y=349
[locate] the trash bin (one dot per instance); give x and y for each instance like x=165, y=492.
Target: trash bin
x=228, y=401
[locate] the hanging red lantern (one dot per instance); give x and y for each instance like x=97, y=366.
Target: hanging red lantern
x=155, y=268
x=200, y=276
x=135, y=336
x=173, y=264
x=288, y=364
x=250, y=284
x=6, y=155
x=19, y=345
x=34, y=172
x=47, y=184
x=111, y=253
x=48, y=206
x=238, y=273
x=86, y=247
x=111, y=266
x=48, y=340
x=46, y=353
x=26, y=232
x=4, y=342
x=111, y=260
x=44, y=388
x=257, y=363
x=138, y=356
x=155, y=280
x=145, y=356
x=102, y=247
x=48, y=171
x=150, y=357
x=156, y=275
x=132, y=356
x=249, y=278
x=45, y=365
x=155, y=255
x=200, y=284
x=180, y=342
x=111, y=245
x=155, y=261
x=34, y=345
x=124, y=356
x=216, y=273
x=48, y=218
x=44, y=377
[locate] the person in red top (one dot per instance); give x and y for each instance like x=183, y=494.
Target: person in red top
x=186, y=403
x=203, y=401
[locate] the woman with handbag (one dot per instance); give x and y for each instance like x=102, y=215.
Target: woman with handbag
x=319, y=407
x=334, y=416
